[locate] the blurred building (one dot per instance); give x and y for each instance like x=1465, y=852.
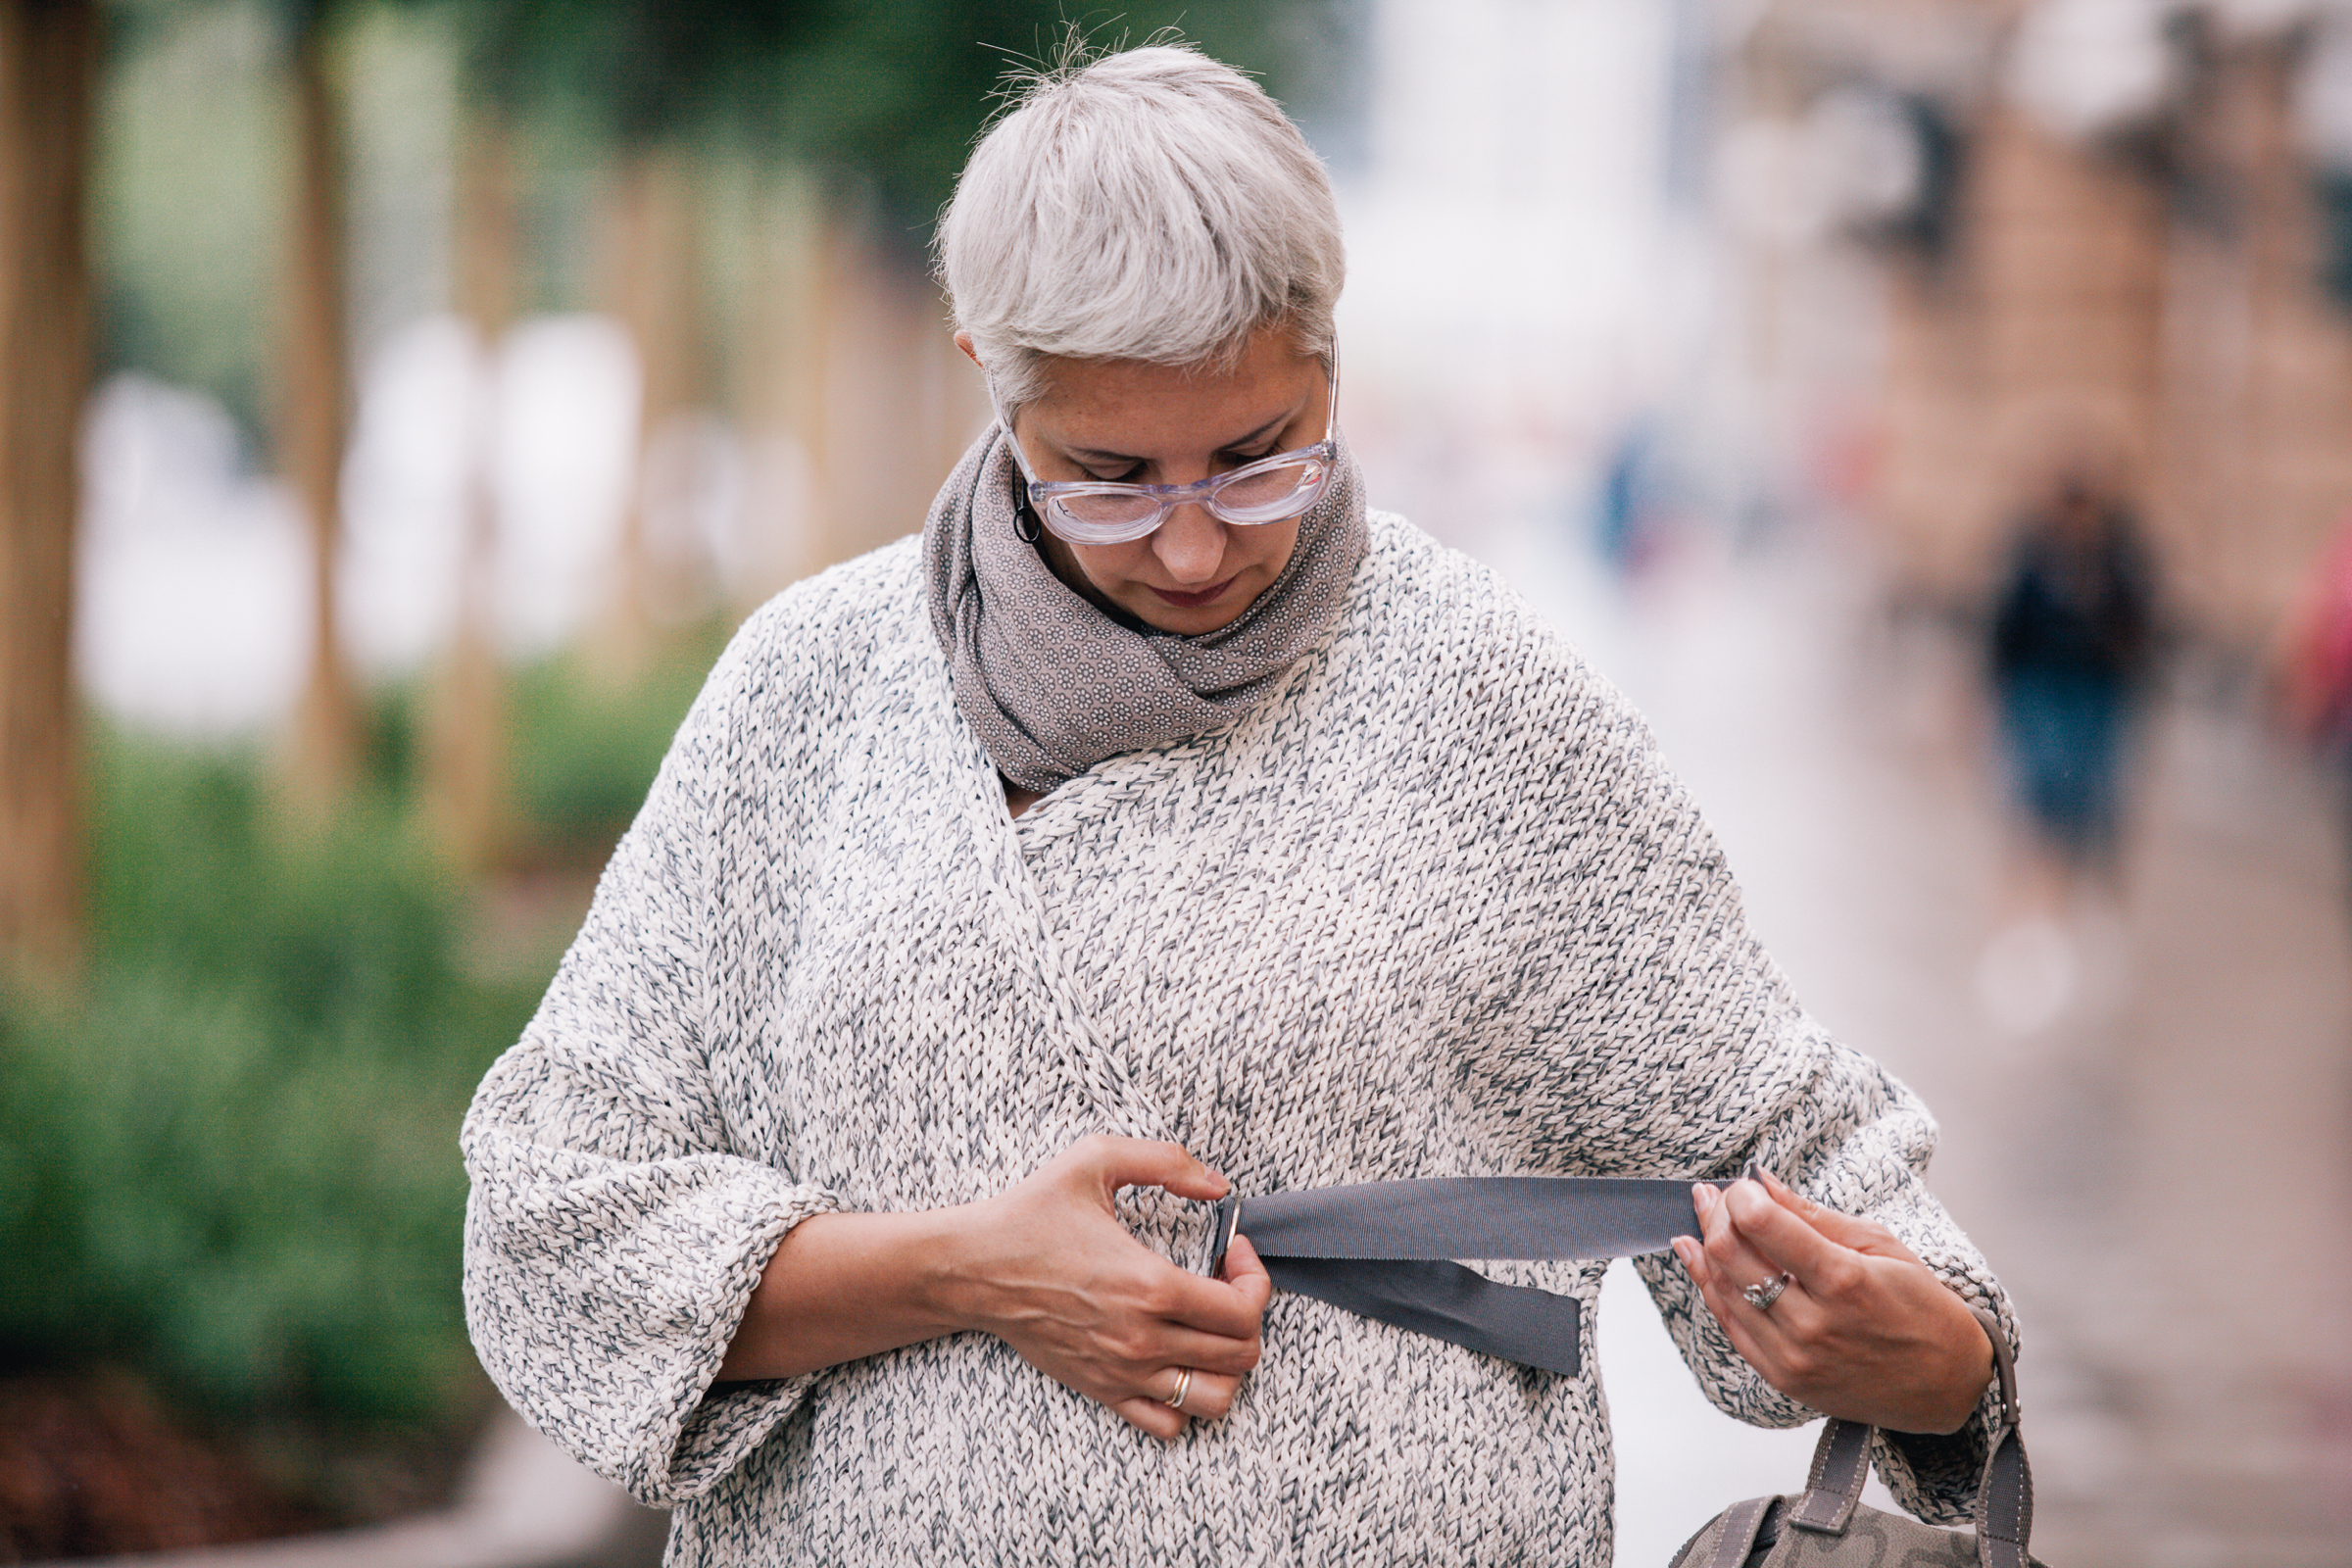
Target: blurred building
x=1976, y=239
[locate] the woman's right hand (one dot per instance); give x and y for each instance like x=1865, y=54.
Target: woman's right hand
x=1046, y=1267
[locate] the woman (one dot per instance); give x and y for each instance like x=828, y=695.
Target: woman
x=1162, y=809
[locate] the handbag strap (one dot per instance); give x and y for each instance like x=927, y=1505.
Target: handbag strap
x=1742, y=1522
x=2005, y=1496
x=2005, y=1511
x=1833, y=1487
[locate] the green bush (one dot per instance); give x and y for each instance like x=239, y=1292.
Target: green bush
x=584, y=756
x=231, y=1165
x=234, y=1162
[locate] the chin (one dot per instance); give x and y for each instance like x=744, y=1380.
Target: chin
x=1199, y=624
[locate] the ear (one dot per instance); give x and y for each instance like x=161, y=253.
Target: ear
x=964, y=341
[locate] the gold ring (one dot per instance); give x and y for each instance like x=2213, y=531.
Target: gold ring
x=1184, y=1386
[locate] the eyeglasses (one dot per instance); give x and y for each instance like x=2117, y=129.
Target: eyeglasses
x=1093, y=512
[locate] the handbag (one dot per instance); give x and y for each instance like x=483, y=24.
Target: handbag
x=1827, y=1525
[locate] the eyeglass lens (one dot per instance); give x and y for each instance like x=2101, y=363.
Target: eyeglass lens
x=1255, y=497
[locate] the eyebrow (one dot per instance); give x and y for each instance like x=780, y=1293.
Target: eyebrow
x=1100, y=455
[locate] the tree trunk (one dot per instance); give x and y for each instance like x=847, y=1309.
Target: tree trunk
x=324, y=756
x=48, y=73
x=465, y=751
x=653, y=284
x=778, y=387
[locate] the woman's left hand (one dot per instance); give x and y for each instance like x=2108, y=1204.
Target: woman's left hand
x=1861, y=1330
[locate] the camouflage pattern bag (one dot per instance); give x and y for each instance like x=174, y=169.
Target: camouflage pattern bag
x=1827, y=1527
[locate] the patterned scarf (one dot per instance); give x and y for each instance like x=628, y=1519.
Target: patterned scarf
x=1052, y=685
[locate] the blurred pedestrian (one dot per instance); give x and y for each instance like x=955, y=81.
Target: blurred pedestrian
x=1162, y=801
x=1628, y=519
x=2073, y=650
x=2320, y=667
x=2070, y=657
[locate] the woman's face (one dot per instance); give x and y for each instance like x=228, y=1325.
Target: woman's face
x=1136, y=423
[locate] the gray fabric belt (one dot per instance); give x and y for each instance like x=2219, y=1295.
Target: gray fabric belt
x=1385, y=1250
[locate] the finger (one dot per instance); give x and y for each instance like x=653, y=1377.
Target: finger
x=1247, y=1272
x=1208, y=1353
x=1206, y=1395
x=1715, y=1291
x=1151, y=1162
x=1714, y=1282
x=1724, y=1266
x=1232, y=1304
x=1779, y=1239
x=1152, y=1416
x=1694, y=1261
x=1736, y=1260
x=1752, y=1332
x=1230, y=1311
x=1717, y=1287
x=1210, y=1395
x=1846, y=1230
x=1715, y=1232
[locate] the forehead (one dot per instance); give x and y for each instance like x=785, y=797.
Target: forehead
x=1128, y=404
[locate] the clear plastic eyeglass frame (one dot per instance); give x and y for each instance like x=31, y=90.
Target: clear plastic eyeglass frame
x=1055, y=500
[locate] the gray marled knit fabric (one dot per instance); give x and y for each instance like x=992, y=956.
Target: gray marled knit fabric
x=1434, y=908
x=1053, y=686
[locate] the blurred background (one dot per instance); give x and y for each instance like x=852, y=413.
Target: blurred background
x=1937, y=415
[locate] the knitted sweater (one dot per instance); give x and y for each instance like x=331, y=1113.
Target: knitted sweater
x=1434, y=908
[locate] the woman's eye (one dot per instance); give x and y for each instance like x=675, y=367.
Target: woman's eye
x=1134, y=473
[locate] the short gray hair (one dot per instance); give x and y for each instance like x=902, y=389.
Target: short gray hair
x=1149, y=205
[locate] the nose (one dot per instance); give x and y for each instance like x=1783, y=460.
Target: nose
x=1190, y=546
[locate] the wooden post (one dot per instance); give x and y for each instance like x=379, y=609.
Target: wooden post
x=465, y=731
x=48, y=70
x=323, y=755
x=654, y=282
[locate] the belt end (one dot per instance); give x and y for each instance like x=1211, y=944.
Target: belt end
x=1223, y=1220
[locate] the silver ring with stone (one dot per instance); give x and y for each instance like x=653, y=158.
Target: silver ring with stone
x=1184, y=1386
x=1761, y=1296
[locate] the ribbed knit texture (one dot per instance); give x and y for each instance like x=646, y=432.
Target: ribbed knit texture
x=1434, y=908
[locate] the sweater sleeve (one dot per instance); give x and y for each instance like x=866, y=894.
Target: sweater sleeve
x=1669, y=1042
x=1847, y=1133
x=614, y=1235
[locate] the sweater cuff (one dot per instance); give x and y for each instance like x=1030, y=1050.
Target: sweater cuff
x=711, y=1428
x=1935, y=1477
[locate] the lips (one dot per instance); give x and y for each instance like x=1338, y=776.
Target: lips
x=1206, y=596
